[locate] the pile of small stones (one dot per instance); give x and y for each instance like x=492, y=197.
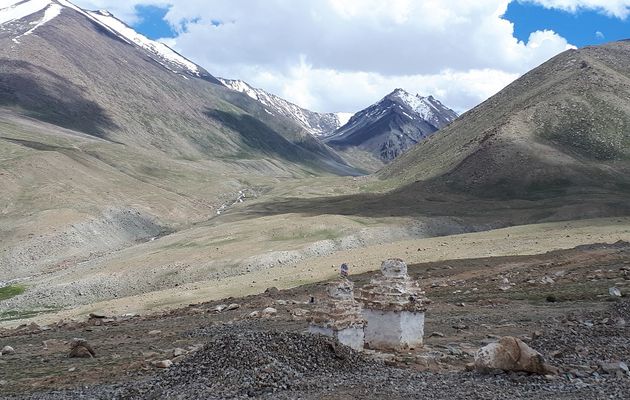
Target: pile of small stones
x=252, y=363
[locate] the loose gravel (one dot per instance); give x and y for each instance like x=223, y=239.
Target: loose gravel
x=239, y=363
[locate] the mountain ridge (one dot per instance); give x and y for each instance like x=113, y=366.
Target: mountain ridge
x=393, y=125
x=103, y=145
x=318, y=124
x=16, y=10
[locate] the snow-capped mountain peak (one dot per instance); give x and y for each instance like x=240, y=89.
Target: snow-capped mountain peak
x=18, y=15
x=318, y=124
x=428, y=108
x=416, y=102
x=393, y=125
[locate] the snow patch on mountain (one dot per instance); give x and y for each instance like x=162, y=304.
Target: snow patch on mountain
x=13, y=10
x=243, y=87
x=428, y=108
x=318, y=124
x=52, y=11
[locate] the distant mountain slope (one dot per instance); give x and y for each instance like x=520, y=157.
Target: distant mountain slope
x=318, y=124
x=553, y=145
x=561, y=129
x=90, y=72
x=393, y=125
x=108, y=138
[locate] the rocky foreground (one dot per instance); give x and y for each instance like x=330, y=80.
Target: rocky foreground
x=241, y=362
x=254, y=347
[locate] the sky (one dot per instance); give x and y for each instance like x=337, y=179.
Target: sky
x=343, y=55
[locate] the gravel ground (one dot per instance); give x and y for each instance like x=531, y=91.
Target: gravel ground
x=239, y=361
x=584, y=332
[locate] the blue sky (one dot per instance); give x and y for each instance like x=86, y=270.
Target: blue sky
x=152, y=23
x=582, y=28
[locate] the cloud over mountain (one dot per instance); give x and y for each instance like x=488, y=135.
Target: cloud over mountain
x=460, y=51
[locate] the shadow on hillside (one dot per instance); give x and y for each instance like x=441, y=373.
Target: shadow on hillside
x=259, y=137
x=420, y=199
x=262, y=139
x=52, y=98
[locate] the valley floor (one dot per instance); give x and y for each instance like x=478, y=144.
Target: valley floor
x=558, y=302
x=246, y=257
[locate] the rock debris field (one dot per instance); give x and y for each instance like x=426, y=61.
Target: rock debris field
x=230, y=355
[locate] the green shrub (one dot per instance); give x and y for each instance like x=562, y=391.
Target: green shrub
x=7, y=292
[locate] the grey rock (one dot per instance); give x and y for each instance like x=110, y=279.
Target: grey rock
x=269, y=312
x=220, y=308
x=614, y=292
x=179, y=352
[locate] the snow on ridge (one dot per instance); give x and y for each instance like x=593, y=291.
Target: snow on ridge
x=52, y=11
x=129, y=34
x=318, y=124
x=17, y=9
x=417, y=102
x=428, y=108
x=9, y=3
x=240, y=86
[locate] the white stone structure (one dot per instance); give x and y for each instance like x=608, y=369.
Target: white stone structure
x=393, y=306
x=339, y=315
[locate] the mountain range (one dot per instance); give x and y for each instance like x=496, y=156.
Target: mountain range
x=98, y=76
x=562, y=129
x=552, y=145
x=371, y=137
x=125, y=167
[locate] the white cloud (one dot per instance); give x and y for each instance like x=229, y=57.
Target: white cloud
x=613, y=8
x=342, y=55
x=367, y=35
x=327, y=89
x=600, y=35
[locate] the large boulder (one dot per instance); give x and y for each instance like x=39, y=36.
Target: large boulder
x=510, y=354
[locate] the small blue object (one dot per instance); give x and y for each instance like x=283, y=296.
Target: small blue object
x=344, y=269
